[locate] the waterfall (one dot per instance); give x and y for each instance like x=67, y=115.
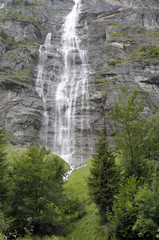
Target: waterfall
x=40, y=85
x=1, y=5
x=72, y=123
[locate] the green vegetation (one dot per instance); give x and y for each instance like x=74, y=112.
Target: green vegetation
x=11, y=42
x=114, y=62
x=101, y=81
x=4, y=35
x=22, y=75
x=103, y=186
x=134, y=212
x=104, y=93
x=89, y=226
x=150, y=51
x=118, y=35
x=21, y=3
x=21, y=18
x=114, y=24
x=37, y=207
x=36, y=177
x=130, y=133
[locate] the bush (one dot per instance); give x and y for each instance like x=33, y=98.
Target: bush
x=114, y=24
x=4, y=34
x=150, y=51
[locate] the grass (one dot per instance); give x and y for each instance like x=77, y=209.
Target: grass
x=101, y=81
x=88, y=227
x=114, y=24
x=123, y=35
x=114, y=62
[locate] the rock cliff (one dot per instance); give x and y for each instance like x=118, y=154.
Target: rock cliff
x=120, y=37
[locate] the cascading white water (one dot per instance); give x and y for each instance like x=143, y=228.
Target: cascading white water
x=72, y=127
x=1, y=5
x=40, y=82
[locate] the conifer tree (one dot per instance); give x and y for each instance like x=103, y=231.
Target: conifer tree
x=103, y=178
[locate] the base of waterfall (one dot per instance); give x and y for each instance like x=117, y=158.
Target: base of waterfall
x=72, y=168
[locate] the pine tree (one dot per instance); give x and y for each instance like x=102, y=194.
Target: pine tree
x=103, y=178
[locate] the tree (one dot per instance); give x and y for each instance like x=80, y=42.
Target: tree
x=103, y=178
x=151, y=140
x=124, y=211
x=35, y=192
x=3, y=165
x=130, y=133
x=135, y=211
x=147, y=218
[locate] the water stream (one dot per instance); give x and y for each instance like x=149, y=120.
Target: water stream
x=1, y=5
x=72, y=125
x=40, y=85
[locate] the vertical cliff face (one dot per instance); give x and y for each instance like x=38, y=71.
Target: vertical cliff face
x=23, y=28
x=122, y=42
x=120, y=39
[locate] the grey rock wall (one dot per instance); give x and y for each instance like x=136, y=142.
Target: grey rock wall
x=122, y=31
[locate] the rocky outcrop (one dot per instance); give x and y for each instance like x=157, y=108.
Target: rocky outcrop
x=121, y=39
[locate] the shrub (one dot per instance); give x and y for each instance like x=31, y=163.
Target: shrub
x=114, y=24
x=4, y=34
x=150, y=51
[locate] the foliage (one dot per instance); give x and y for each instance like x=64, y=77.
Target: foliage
x=135, y=211
x=36, y=178
x=22, y=18
x=124, y=211
x=114, y=62
x=21, y=3
x=152, y=138
x=118, y=35
x=4, y=34
x=3, y=165
x=114, y=24
x=103, y=178
x=130, y=133
x=150, y=51
x=147, y=204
